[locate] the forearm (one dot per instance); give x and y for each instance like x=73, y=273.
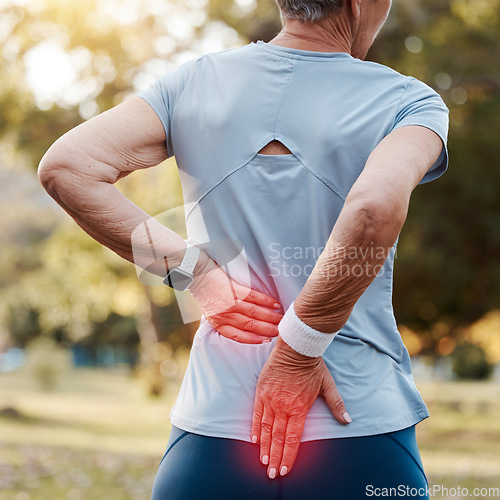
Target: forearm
x=101, y=210
x=367, y=227
x=354, y=254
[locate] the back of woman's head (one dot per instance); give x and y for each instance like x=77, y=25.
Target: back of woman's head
x=308, y=10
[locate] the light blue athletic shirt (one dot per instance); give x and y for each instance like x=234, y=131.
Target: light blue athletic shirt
x=331, y=111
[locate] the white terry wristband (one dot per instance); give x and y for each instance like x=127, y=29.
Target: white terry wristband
x=301, y=337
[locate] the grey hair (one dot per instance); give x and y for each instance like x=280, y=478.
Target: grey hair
x=308, y=10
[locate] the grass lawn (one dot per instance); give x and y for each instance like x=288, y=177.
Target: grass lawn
x=460, y=442
x=98, y=436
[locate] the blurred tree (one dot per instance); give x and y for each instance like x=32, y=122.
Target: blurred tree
x=47, y=362
x=486, y=333
x=469, y=361
x=253, y=19
x=101, y=49
x=58, y=281
x=63, y=62
x=449, y=257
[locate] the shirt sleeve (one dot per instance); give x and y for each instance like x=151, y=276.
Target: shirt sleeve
x=164, y=94
x=421, y=105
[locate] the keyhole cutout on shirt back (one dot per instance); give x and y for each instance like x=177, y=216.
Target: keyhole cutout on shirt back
x=275, y=148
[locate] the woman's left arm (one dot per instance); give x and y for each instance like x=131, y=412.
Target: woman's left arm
x=79, y=171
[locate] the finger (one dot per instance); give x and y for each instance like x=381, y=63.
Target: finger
x=258, y=408
x=243, y=322
x=266, y=427
x=256, y=297
x=333, y=398
x=241, y=336
x=256, y=311
x=293, y=435
x=277, y=445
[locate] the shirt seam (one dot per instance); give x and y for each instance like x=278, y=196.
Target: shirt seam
x=333, y=57
x=283, y=98
x=177, y=103
x=329, y=184
x=216, y=183
x=398, y=109
x=318, y=176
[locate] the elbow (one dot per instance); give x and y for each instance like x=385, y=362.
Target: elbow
x=381, y=220
x=56, y=169
x=51, y=165
x=47, y=172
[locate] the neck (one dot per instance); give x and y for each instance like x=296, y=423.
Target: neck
x=326, y=35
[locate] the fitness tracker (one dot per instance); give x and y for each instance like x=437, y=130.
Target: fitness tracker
x=179, y=278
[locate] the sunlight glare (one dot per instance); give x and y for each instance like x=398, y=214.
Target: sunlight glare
x=49, y=71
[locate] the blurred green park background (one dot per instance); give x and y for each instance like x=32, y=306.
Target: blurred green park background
x=91, y=359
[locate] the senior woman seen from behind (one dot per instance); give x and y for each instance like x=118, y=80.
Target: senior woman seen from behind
x=302, y=157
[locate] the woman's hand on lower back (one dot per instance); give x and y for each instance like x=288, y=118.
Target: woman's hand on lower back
x=235, y=311
x=287, y=387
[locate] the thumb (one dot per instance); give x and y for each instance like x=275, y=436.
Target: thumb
x=333, y=399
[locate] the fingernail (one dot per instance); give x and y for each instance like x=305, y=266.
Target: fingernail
x=265, y=459
x=347, y=418
x=265, y=341
x=272, y=473
x=254, y=439
x=284, y=470
x=277, y=305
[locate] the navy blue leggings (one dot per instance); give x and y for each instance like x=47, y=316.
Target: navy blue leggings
x=197, y=467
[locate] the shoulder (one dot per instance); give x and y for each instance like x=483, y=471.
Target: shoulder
x=410, y=89
x=185, y=70
x=232, y=57
x=377, y=71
